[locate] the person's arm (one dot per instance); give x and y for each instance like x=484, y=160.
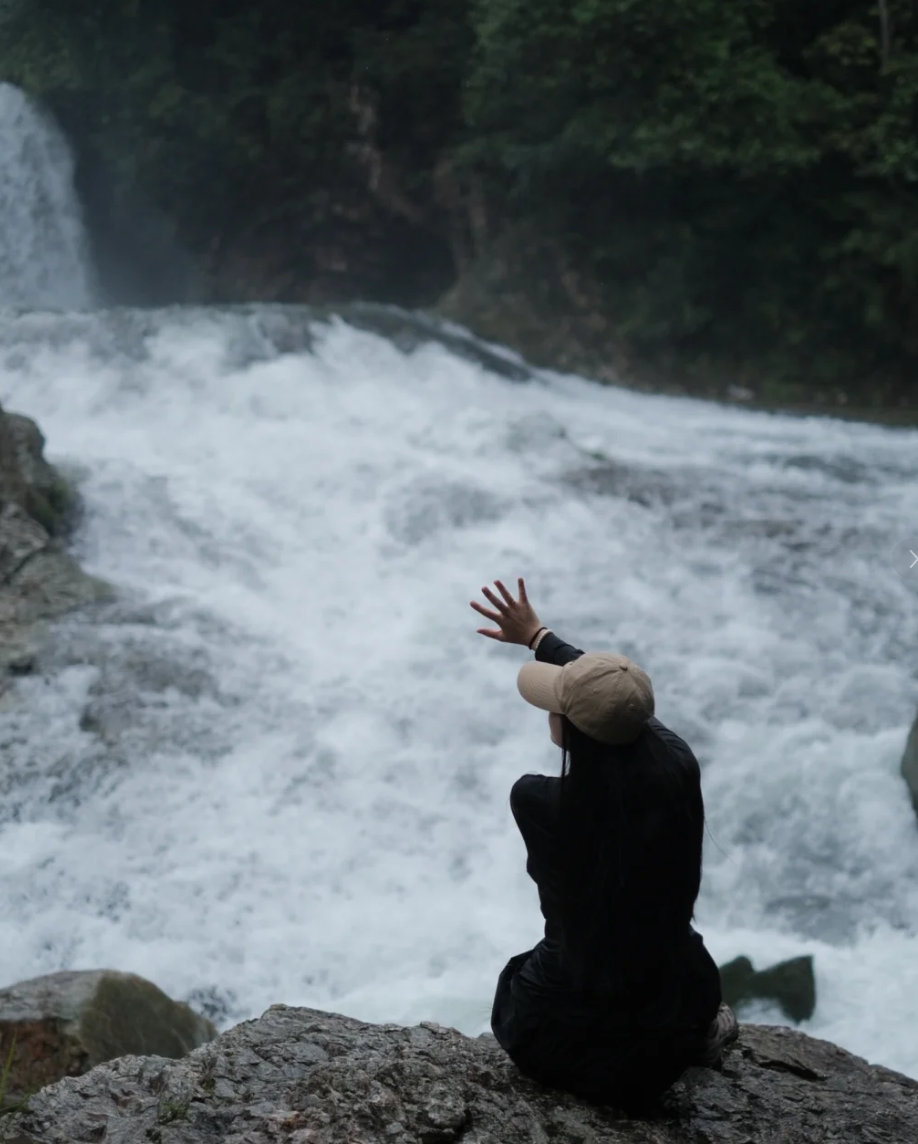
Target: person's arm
x=535, y=808
x=553, y=649
x=518, y=623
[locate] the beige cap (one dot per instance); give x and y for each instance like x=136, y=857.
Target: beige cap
x=605, y=695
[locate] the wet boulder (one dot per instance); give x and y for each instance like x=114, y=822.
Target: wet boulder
x=42, y=491
x=38, y=578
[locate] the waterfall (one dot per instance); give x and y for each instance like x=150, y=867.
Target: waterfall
x=44, y=259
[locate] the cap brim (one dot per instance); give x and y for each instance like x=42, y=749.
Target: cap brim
x=538, y=685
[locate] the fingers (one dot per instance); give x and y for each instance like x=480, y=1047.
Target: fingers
x=495, y=616
x=501, y=607
x=515, y=619
x=503, y=591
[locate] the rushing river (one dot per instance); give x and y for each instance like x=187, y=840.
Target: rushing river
x=276, y=767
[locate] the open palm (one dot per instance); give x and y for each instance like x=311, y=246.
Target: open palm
x=517, y=622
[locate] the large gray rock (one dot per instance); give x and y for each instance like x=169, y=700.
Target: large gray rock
x=298, y=1076
x=64, y=1024
x=38, y=579
x=910, y=764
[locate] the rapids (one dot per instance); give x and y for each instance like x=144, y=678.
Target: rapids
x=276, y=769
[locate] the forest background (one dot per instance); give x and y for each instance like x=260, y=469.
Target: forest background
x=716, y=197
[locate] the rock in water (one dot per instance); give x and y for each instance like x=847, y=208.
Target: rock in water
x=298, y=1076
x=910, y=764
x=64, y=1024
x=45, y=495
x=791, y=984
x=38, y=579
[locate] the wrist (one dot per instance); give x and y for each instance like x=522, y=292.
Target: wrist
x=537, y=638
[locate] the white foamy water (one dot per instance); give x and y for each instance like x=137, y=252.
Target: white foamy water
x=277, y=768
x=44, y=260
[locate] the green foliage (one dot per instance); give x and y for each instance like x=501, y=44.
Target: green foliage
x=739, y=178
x=735, y=182
x=172, y=1110
x=235, y=114
x=638, y=87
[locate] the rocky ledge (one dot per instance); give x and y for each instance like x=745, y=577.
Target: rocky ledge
x=299, y=1075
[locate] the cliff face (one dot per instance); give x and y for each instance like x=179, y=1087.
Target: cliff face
x=299, y=1075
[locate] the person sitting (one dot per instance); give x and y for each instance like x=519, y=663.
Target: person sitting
x=620, y=996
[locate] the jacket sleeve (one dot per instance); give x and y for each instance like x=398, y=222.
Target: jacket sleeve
x=552, y=649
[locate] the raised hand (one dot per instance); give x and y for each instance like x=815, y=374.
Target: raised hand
x=517, y=622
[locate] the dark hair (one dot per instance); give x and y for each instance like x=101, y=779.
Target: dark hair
x=632, y=821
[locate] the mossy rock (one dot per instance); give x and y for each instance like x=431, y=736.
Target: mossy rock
x=46, y=495
x=39, y=579
x=66, y=1023
x=54, y=506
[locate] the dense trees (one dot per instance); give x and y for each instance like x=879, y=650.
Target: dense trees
x=741, y=178
x=733, y=185
x=254, y=129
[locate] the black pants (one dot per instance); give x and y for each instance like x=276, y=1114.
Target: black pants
x=608, y=1056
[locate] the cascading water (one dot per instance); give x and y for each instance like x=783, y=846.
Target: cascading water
x=43, y=252
x=277, y=767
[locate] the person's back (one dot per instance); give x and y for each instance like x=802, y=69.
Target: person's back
x=620, y=994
